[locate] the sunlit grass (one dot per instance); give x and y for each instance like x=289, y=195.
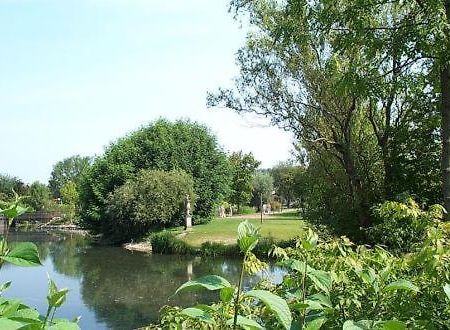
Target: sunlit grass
x=278, y=226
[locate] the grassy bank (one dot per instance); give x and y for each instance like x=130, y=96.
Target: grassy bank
x=218, y=237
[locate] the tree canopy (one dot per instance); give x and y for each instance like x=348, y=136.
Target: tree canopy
x=243, y=167
x=161, y=145
x=68, y=169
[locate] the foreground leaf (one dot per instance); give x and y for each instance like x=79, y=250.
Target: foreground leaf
x=246, y=323
x=447, y=290
x=198, y=314
x=276, y=304
x=23, y=254
x=393, y=325
x=209, y=282
x=401, y=285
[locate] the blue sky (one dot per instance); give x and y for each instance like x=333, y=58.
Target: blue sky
x=76, y=75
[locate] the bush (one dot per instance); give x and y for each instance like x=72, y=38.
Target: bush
x=153, y=199
x=165, y=242
x=247, y=210
x=162, y=145
x=400, y=226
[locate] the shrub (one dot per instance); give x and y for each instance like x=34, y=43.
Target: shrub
x=152, y=199
x=402, y=225
x=247, y=210
x=165, y=242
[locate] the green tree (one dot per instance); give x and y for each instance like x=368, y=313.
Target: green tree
x=243, y=167
x=38, y=196
x=288, y=75
x=152, y=199
x=70, y=199
x=262, y=188
x=8, y=184
x=403, y=50
x=288, y=181
x=162, y=145
x=68, y=169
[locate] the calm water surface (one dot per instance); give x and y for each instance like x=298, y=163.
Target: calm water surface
x=110, y=287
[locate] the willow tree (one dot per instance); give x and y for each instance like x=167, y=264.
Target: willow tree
x=291, y=77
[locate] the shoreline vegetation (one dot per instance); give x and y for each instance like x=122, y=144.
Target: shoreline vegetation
x=217, y=237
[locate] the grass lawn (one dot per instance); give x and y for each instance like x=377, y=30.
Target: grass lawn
x=278, y=226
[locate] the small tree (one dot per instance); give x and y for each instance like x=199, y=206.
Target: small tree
x=153, y=199
x=243, y=168
x=262, y=188
x=38, y=196
x=70, y=199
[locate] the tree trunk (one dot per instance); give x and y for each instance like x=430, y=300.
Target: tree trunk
x=445, y=122
x=359, y=193
x=445, y=131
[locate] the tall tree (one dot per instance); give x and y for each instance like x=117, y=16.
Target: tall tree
x=243, y=167
x=68, y=169
x=38, y=196
x=288, y=75
x=399, y=42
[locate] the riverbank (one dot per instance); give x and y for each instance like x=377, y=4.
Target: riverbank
x=218, y=237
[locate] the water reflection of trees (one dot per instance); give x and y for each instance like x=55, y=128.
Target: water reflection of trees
x=126, y=290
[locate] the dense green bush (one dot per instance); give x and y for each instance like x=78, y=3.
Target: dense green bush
x=166, y=242
x=162, y=145
x=152, y=199
x=400, y=226
x=332, y=285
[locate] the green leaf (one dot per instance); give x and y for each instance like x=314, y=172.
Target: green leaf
x=58, y=298
x=26, y=314
x=11, y=308
x=13, y=211
x=209, y=282
x=5, y=286
x=198, y=314
x=248, y=243
x=359, y=325
x=226, y=294
x=7, y=324
x=23, y=254
x=248, y=236
x=245, y=323
x=401, y=285
x=393, y=325
x=447, y=290
x=316, y=324
x=55, y=297
x=61, y=324
x=276, y=304
x=322, y=280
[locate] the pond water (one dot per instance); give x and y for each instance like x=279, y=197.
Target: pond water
x=110, y=287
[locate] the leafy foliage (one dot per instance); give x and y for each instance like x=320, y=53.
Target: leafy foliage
x=152, y=199
x=333, y=284
x=243, y=167
x=14, y=314
x=38, y=196
x=68, y=169
x=401, y=226
x=162, y=145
